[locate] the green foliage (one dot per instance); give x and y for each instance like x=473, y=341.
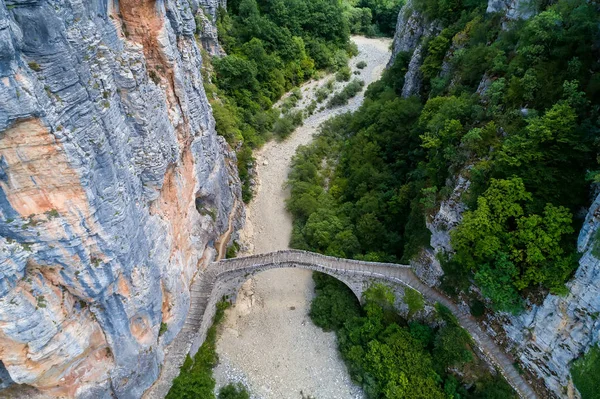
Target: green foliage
x=163, y=328
x=388, y=358
x=271, y=47
x=512, y=112
x=234, y=391
x=451, y=347
x=195, y=379
x=361, y=65
x=343, y=75
x=414, y=300
x=333, y=304
x=232, y=250
x=586, y=373
x=510, y=250
x=34, y=66
x=287, y=123
x=349, y=91
x=373, y=17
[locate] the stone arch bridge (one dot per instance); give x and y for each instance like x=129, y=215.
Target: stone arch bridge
x=225, y=277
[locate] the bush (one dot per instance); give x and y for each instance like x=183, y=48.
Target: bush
x=343, y=75
x=35, y=66
x=285, y=125
x=234, y=391
x=414, y=300
x=311, y=108
x=361, y=65
x=322, y=93
x=292, y=100
x=163, y=328
x=351, y=90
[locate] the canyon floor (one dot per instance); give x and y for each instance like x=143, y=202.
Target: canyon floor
x=267, y=340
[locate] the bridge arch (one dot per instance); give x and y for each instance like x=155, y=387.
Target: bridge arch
x=236, y=279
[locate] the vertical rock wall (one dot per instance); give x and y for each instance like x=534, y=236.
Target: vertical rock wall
x=412, y=28
x=113, y=189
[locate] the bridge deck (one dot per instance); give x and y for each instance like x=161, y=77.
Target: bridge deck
x=202, y=288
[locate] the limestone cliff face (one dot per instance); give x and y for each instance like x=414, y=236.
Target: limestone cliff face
x=114, y=188
x=412, y=28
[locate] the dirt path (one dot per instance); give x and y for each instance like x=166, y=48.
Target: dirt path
x=267, y=339
x=224, y=239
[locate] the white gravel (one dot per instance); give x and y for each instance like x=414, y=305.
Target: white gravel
x=267, y=340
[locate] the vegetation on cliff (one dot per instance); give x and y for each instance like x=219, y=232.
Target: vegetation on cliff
x=391, y=357
x=512, y=110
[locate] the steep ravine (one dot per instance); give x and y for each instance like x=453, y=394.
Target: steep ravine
x=268, y=340
x=114, y=188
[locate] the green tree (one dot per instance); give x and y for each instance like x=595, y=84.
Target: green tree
x=503, y=244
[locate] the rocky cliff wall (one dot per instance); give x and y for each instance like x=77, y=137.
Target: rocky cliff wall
x=113, y=189
x=412, y=28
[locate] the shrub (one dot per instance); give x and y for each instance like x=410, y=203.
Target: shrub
x=35, y=66
x=414, y=300
x=311, y=108
x=292, y=100
x=234, y=391
x=322, y=93
x=351, y=90
x=361, y=65
x=163, y=328
x=286, y=124
x=343, y=75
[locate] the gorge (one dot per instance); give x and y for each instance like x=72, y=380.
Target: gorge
x=120, y=193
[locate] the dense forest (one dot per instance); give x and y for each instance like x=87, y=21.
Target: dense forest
x=391, y=357
x=273, y=46
x=511, y=110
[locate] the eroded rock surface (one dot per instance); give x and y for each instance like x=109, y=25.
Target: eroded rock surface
x=412, y=28
x=113, y=189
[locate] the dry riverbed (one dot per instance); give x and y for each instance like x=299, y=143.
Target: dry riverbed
x=267, y=340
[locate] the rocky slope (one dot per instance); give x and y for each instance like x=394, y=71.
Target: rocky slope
x=546, y=338
x=113, y=189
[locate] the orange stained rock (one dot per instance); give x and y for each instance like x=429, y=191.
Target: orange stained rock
x=40, y=177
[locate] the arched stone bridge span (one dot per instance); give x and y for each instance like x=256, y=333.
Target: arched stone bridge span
x=225, y=277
